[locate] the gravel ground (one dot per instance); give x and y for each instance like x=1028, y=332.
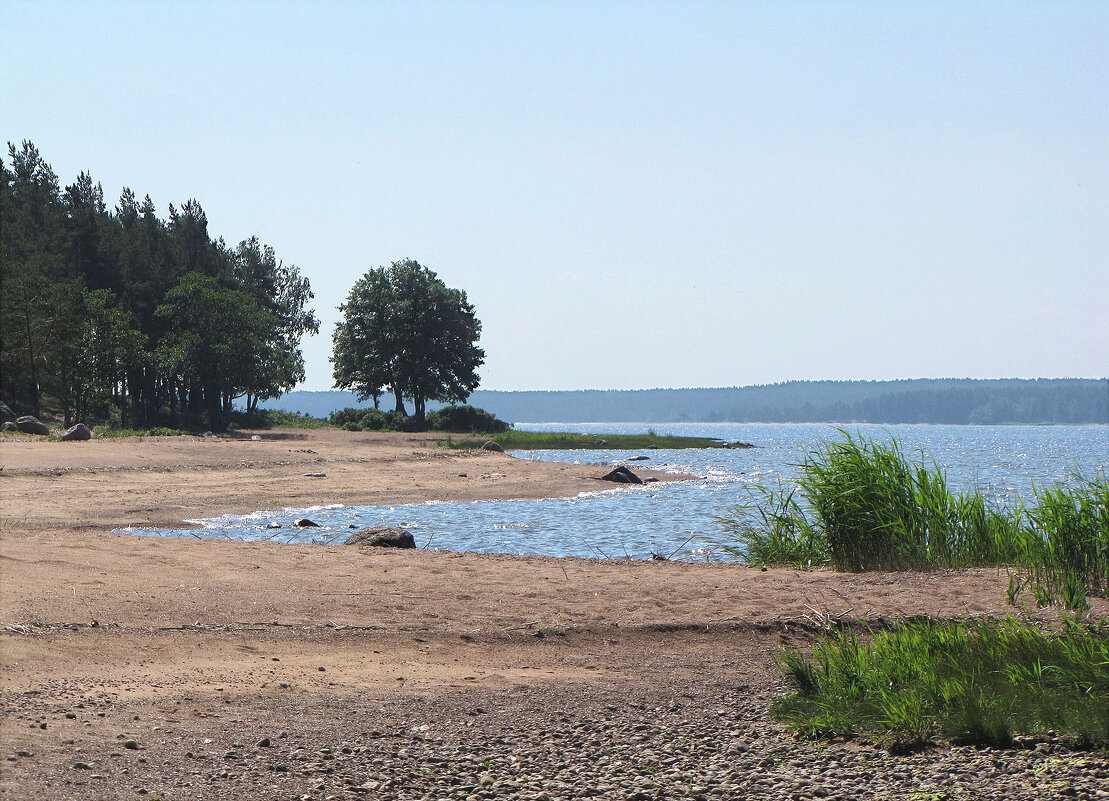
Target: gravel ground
x=535, y=743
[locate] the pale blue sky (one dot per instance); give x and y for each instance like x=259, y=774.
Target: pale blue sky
x=632, y=194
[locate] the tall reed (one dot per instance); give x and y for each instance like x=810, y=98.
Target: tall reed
x=861, y=505
x=1067, y=554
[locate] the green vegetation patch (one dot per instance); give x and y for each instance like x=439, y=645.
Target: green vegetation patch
x=861, y=505
x=545, y=440
x=982, y=682
x=276, y=418
x=107, y=432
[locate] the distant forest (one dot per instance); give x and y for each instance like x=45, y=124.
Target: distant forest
x=925, y=400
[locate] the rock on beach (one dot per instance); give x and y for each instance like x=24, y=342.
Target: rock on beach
x=382, y=536
x=29, y=424
x=77, y=433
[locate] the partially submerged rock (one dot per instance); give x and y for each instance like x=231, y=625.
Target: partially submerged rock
x=622, y=475
x=29, y=424
x=304, y=522
x=382, y=537
x=77, y=433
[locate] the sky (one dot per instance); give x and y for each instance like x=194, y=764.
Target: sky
x=632, y=195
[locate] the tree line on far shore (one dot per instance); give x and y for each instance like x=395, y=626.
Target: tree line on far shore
x=932, y=400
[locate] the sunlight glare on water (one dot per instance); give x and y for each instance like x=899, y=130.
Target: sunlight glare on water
x=678, y=519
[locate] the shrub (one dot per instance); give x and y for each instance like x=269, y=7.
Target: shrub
x=340, y=417
x=275, y=418
x=465, y=420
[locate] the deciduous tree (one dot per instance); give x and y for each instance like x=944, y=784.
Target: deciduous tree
x=405, y=331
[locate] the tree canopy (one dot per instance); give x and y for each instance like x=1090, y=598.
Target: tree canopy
x=119, y=315
x=406, y=332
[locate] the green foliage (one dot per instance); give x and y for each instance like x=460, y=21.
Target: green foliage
x=464, y=420
x=863, y=506
x=403, y=330
x=980, y=682
x=108, y=432
x=774, y=530
x=879, y=512
x=1068, y=553
x=353, y=419
x=275, y=418
x=96, y=317
x=514, y=440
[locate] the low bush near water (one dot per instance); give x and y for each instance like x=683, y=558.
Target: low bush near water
x=275, y=418
x=464, y=420
x=981, y=682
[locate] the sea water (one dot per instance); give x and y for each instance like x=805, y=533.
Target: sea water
x=679, y=519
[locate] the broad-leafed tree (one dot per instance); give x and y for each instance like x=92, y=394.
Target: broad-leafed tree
x=404, y=331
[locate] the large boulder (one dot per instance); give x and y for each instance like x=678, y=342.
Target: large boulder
x=6, y=413
x=9, y=426
x=492, y=446
x=622, y=475
x=78, y=433
x=29, y=424
x=383, y=537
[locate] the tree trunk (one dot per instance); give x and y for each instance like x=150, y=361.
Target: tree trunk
x=418, y=404
x=400, y=401
x=36, y=394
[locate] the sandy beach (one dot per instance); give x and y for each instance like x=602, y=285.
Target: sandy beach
x=184, y=668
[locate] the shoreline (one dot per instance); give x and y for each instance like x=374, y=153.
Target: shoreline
x=162, y=481
x=378, y=673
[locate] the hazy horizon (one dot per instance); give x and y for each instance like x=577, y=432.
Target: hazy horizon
x=632, y=195
x=484, y=388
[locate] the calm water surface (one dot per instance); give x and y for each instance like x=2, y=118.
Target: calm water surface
x=678, y=519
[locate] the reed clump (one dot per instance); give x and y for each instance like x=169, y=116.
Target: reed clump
x=860, y=505
x=977, y=682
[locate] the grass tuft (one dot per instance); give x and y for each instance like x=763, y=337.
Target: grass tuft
x=975, y=683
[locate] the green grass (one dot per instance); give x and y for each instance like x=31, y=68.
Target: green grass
x=1067, y=554
x=878, y=511
x=982, y=682
x=543, y=440
x=862, y=505
x=107, y=432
